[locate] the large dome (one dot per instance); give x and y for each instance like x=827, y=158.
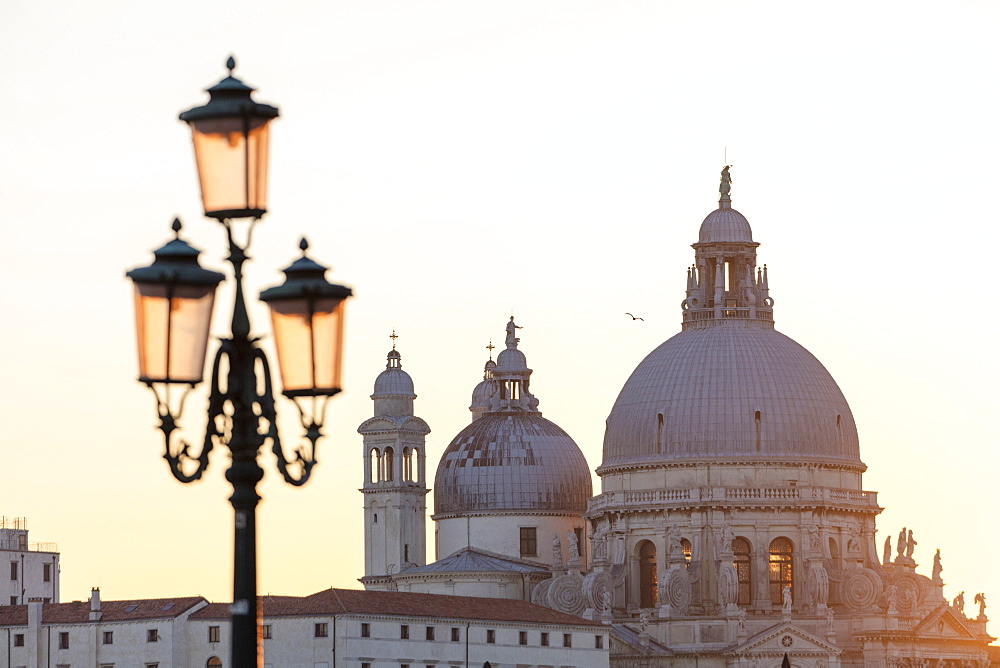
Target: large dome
x=732, y=392
x=504, y=463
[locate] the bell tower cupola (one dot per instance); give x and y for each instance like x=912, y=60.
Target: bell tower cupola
x=395, y=480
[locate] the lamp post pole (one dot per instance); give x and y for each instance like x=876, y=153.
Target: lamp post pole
x=174, y=300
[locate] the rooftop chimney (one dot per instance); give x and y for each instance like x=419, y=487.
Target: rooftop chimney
x=95, y=604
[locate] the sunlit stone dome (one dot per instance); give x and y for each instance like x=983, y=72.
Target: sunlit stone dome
x=510, y=459
x=511, y=463
x=734, y=392
x=729, y=387
x=393, y=381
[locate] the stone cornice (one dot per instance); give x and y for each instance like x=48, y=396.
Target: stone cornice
x=630, y=467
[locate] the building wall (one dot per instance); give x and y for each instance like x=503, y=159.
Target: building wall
x=294, y=642
x=25, y=573
x=130, y=644
x=501, y=534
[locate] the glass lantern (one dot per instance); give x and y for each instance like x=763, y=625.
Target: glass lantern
x=230, y=136
x=173, y=312
x=307, y=313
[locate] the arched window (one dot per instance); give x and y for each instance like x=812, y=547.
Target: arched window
x=407, y=464
x=388, y=465
x=686, y=550
x=214, y=662
x=741, y=560
x=780, y=569
x=416, y=465
x=375, y=465
x=648, y=594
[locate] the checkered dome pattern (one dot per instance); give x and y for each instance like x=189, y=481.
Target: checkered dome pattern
x=506, y=462
x=733, y=392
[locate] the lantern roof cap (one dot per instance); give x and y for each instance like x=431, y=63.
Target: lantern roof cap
x=305, y=278
x=176, y=262
x=230, y=97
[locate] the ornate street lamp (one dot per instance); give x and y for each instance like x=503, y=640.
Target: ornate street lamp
x=174, y=298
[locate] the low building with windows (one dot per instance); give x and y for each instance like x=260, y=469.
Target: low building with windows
x=334, y=628
x=28, y=570
x=148, y=633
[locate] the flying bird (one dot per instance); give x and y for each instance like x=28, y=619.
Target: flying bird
x=635, y=318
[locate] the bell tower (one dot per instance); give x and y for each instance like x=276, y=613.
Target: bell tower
x=395, y=482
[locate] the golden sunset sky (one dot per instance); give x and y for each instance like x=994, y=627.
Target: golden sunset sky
x=457, y=161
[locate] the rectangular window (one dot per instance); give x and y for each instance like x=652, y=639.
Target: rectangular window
x=545, y=639
x=46, y=572
x=365, y=664
x=429, y=633
x=13, y=600
x=366, y=630
x=321, y=630
x=567, y=640
x=404, y=632
x=491, y=636
x=522, y=638
x=406, y=553
x=454, y=634
x=213, y=634
x=107, y=665
x=152, y=635
x=13, y=570
x=18, y=640
x=598, y=642
x=109, y=637
x=404, y=665
x=152, y=665
x=266, y=631
x=64, y=640
x=529, y=542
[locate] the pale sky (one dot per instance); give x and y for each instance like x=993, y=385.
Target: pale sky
x=455, y=161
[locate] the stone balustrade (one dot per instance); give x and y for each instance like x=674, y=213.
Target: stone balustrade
x=735, y=496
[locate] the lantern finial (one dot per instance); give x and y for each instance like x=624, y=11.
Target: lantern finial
x=176, y=227
x=231, y=65
x=304, y=245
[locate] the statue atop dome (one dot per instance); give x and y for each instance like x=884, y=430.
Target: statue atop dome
x=725, y=185
x=512, y=339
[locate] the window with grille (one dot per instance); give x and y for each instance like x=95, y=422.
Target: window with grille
x=529, y=542
x=741, y=560
x=780, y=571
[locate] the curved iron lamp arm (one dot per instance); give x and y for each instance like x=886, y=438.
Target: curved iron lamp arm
x=176, y=457
x=305, y=459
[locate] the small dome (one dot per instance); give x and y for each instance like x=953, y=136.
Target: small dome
x=511, y=359
x=725, y=224
x=393, y=381
x=504, y=463
x=481, y=394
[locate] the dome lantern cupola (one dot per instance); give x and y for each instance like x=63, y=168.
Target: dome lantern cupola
x=724, y=284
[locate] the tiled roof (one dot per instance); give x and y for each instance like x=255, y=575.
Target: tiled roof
x=472, y=560
x=402, y=604
x=111, y=611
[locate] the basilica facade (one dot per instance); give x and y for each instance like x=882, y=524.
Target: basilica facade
x=732, y=527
